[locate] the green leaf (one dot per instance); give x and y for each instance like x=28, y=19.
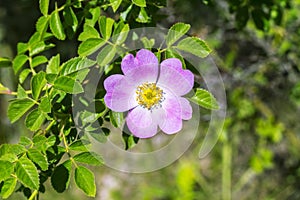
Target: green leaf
x=23, y=75
x=205, y=99
x=17, y=108
x=90, y=45
x=50, y=141
x=194, y=46
x=18, y=62
x=115, y=4
x=120, y=33
x=129, y=140
x=85, y=180
x=68, y=85
x=106, y=55
x=8, y=187
x=148, y=44
x=42, y=25
x=21, y=93
x=56, y=25
x=80, y=75
x=99, y=137
x=143, y=17
x=140, y=3
x=44, y=6
x=116, y=118
x=61, y=175
x=25, y=141
x=22, y=47
x=38, y=82
x=38, y=60
x=53, y=65
x=38, y=158
x=39, y=47
x=34, y=120
x=15, y=149
x=88, y=32
x=89, y=158
x=76, y=64
x=27, y=173
x=6, y=169
x=176, y=32
x=95, y=13
x=45, y=105
x=70, y=18
x=39, y=142
x=5, y=62
x=106, y=24
x=125, y=13
x=10, y=157
x=172, y=53
x=80, y=145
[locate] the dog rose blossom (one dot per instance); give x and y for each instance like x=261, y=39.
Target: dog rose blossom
x=151, y=93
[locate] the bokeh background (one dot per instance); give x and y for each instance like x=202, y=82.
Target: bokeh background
x=256, y=48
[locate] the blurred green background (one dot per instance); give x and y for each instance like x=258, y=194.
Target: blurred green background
x=256, y=47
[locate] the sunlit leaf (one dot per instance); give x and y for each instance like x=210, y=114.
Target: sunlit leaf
x=115, y=4
x=205, y=99
x=34, y=120
x=89, y=158
x=194, y=46
x=106, y=24
x=140, y=3
x=90, y=45
x=176, y=32
x=85, y=180
x=19, y=61
x=27, y=173
x=76, y=64
x=38, y=60
x=8, y=187
x=6, y=169
x=44, y=6
x=38, y=158
x=38, y=82
x=56, y=25
x=106, y=55
x=68, y=85
x=18, y=108
x=53, y=65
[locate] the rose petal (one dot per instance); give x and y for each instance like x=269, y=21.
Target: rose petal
x=145, y=58
x=171, y=122
x=186, y=108
x=111, y=81
x=140, y=123
x=120, y=95
x=142, y=75
x=128, y=63
x=141, y=69
x=173, y=77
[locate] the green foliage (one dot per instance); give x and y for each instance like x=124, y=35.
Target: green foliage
x=27, y=173
x=47, y=79
x=85, y=180
x=205, y=99
x=176, y=32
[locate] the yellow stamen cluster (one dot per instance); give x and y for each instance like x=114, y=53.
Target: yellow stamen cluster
x=149, y=95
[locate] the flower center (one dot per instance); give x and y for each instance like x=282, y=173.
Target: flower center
x=149, y=95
